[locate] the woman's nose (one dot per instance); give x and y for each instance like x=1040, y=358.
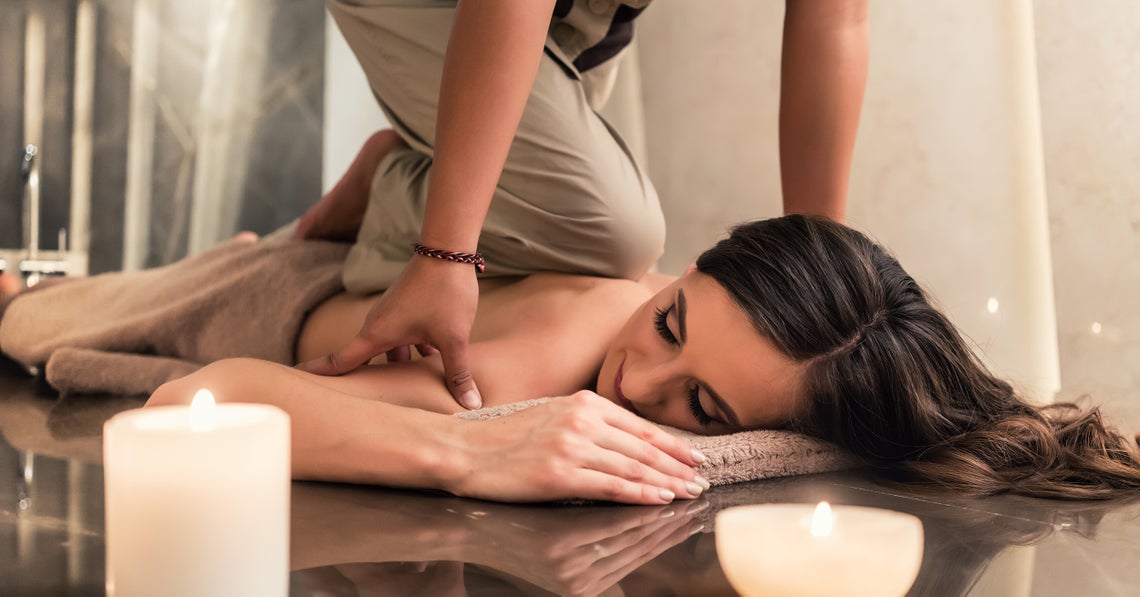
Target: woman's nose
x=647, y=382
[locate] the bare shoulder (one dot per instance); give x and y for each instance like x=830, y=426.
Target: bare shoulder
x=546, y=335
x=609, y=291
x=565, y=300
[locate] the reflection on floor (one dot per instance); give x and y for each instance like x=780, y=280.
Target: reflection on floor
x=349, y=540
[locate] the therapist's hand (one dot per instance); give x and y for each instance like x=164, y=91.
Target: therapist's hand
x=431, y=305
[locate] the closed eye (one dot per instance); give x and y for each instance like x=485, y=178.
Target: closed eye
x=697, y=409
x=659, y=316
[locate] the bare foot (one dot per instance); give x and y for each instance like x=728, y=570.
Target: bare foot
x=338, y=214
x=246, y=237
x=10, y=284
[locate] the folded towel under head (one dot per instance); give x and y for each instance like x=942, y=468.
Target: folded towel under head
x=736, y=457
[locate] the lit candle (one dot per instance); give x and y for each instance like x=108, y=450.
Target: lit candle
x=795, y=549
x=197, y=500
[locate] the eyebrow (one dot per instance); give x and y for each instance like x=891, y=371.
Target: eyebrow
x=720, y=403
x=681, y=306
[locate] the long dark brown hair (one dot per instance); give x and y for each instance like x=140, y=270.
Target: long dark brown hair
x=888, y=377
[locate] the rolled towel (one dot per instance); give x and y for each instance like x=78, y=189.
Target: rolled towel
x=86, y=371
x=130, y=332
x=736, y=457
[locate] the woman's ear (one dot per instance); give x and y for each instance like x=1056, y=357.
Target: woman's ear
x=692, y=268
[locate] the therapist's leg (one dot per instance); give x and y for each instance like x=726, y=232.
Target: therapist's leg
x=570, y=198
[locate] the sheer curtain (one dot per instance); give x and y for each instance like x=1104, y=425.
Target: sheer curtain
x=224, y=122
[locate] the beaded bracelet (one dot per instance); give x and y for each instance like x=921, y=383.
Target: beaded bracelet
x=472, y=258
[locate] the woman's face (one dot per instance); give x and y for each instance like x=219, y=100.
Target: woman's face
x=690, y=358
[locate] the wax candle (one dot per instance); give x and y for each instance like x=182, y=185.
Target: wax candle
x=798, y=549
x=197, y=500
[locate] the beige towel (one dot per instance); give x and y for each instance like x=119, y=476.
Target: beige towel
x=737, y=457
x=128, y=333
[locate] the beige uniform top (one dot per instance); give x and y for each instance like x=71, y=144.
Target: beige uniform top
x=590, y=34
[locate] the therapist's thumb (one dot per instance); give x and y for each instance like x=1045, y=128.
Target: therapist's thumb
x=458, y=377
x=354, y=354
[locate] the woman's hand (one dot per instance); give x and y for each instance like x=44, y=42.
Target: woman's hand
x=580, y=446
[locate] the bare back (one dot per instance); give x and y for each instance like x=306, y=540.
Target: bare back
x=542, y=335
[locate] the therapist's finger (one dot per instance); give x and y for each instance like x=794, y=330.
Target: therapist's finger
x=357, y=352
x=399, y=354
x=458, y=376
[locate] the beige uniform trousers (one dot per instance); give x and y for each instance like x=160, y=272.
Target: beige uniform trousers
x=570, y=198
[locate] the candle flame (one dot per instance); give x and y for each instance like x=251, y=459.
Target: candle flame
x=822, y=521
x=202, y=411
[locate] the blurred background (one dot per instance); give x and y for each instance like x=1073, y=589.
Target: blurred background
x=998, y=152
x=175, y=123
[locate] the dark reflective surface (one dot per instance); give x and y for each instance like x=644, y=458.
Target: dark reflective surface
x=349, y=540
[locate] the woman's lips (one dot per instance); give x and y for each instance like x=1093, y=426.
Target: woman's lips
x=621, y=399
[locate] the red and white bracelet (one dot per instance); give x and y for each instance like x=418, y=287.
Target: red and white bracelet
x=472, y=258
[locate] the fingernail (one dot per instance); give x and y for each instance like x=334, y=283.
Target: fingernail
x=694, y=489
x=668, y=513
x=698, y=457
x=696, y=530
x=471, y=400
x=666, y=495
x=703, y=482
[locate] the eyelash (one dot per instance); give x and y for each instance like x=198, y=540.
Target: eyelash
x=666, y=334
x=663, y=327
x=698, y=411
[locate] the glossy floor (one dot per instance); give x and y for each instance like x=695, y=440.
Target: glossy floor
x=349, y=540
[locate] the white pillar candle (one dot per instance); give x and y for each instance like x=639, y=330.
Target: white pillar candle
x=197, y=500
x=798, y=549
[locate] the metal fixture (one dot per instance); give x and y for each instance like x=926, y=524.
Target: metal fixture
x=31, y=261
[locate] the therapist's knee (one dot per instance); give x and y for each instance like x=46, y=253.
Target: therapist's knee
x=632, y=236
x=589, y=219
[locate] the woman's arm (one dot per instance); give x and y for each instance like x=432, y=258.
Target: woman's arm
x=579, y=446
x=823, y=75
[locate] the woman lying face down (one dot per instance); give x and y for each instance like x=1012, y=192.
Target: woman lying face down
x=793, y=322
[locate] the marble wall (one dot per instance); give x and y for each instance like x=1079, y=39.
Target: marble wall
x=997, y=149
x=1089, y=69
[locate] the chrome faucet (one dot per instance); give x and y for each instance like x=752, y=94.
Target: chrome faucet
x=32, y=266
x=31, y=173
x=29, y=162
